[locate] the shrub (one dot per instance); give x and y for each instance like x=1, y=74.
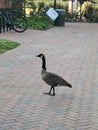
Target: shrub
x=90, y=13
x=39, y=22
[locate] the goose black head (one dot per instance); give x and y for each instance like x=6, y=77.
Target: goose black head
x=40, y=55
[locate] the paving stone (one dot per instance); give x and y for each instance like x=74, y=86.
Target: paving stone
x=72, y=52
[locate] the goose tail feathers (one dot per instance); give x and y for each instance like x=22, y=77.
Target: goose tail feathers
x=69, y=85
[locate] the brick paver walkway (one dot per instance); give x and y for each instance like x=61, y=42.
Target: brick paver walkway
x=72, y=52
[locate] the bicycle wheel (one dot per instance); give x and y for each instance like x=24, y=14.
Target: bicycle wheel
x=19, y=24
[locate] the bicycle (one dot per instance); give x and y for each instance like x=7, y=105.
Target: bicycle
x=14, y=21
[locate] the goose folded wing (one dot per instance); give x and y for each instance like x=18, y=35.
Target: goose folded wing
x=54, y=79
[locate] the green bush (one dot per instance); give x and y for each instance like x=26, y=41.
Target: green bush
x=39, y=22
x=90, y=14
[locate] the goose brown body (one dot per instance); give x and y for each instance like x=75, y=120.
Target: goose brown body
x=52, y=79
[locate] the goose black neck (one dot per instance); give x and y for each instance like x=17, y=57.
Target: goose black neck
x=44, y=63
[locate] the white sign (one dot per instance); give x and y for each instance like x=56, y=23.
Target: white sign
x=52, y=13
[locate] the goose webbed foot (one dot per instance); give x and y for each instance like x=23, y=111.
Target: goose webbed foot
x=49, y=94
x=53, y=94
x=50, y=91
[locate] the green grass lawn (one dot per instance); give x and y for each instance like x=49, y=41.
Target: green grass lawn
x=6, y=45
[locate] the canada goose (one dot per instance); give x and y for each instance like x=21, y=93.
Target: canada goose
x=50, y=78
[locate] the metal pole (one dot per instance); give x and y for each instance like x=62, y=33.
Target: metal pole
x=24, y=7
x=80, y=12
x=0, y=26
x=54, y=4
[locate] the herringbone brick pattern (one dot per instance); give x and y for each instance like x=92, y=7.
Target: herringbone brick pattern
x=72, y=52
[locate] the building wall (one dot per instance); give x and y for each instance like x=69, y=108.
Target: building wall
x=5, y=3
x=17, y=4
x=2, y=4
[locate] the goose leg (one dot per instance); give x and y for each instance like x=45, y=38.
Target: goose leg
x=53, y=90
x=49, y=91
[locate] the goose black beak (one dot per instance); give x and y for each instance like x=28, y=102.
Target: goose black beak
x=40, y=55
x=37, y=55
